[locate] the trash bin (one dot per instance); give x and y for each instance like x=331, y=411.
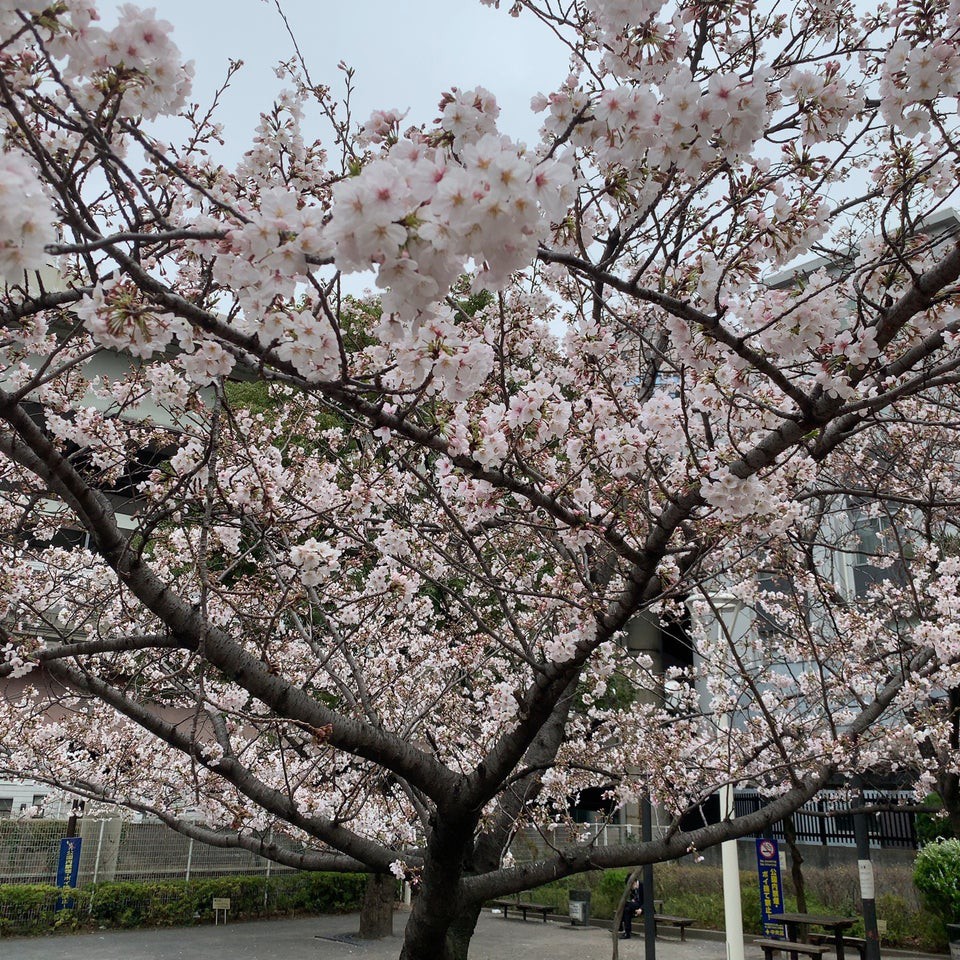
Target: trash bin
x=579, y=907
x=953, y=936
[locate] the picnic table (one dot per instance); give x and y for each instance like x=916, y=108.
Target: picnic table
x=681, y=922
x=834, y=925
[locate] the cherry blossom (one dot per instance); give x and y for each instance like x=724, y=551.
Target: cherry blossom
x=689, y=359
x=25, y=217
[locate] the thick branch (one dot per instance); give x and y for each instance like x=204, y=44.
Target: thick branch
x=33, y=450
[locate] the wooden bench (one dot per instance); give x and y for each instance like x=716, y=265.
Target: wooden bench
x=858, y=943
x=542, y=908
x=681, y=922
x=787, y=946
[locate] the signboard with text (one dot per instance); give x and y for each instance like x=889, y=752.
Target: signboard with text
x=771, y=888
x=68, y=867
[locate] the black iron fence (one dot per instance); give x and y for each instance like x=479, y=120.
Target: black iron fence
x=827, y=819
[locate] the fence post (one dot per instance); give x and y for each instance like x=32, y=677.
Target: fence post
x=96, y=862
x=266, y=886
x=189, y=859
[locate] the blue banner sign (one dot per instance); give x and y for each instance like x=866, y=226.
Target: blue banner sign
x=771, y=888
x=68, y=867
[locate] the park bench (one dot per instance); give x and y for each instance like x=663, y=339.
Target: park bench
x=858, y=943
x=787, y=946
x=542, y=908
x=681, y=922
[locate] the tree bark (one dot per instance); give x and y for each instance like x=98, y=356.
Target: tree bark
x=461, y=932
x=949, y=782
x=796, y=872
x=796, y=863
x=618, y=913
x=376, y=914
x=442, y=921
x=439, y=936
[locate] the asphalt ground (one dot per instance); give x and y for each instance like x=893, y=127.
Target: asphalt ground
x=319, y=938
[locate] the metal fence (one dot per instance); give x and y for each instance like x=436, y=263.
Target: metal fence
x=828, y=822
x=824, y=821
x=531, y=843
x=113, y=849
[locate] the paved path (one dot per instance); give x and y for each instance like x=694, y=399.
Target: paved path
x=304, y=939
x=309, y=939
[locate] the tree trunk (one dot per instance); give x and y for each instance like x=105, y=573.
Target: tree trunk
x=461, y=932
x=376, y=914
x=618, y=913
x=796, y=863
x=949, y=782
x=796, y=872
x=948, y=786
x=441, y=924
x=432, y=937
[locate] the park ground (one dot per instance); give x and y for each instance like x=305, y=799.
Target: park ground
x=329, y=938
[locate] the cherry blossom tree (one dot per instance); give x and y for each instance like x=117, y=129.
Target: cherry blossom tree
x=352, y=578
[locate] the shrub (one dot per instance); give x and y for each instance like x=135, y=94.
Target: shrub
x=906, y=925
x=26, y=908
x=931, y=827
x=937, y=876
x=31, y=909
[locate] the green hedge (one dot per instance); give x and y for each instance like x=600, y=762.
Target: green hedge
x=31, y=909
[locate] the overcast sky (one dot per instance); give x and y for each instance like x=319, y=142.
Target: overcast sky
x=406, y=53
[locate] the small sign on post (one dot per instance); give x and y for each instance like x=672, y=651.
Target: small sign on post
x=220, y=904
x=771, y=888
x=68, y=867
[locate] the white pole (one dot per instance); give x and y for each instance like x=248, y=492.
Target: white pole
x=189, y=859
x=732, y=914
x=728, y=608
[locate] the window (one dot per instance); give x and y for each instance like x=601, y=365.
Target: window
x=67, y=538
x=782, y=609
x=876, y=558
x=780, y=592
x=6, y=807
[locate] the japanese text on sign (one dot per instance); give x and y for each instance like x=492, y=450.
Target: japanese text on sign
x=771, y=888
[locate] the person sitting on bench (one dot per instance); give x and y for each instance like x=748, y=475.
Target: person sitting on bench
x=633, y=906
